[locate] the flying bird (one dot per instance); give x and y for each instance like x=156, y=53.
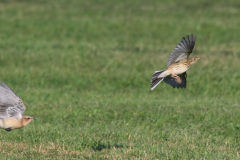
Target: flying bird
x=12, y=109
x=178, y=63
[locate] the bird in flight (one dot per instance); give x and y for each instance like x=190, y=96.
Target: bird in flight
x=12, y=109
x=178, y=63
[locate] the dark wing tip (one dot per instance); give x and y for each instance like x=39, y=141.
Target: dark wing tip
x=190, y=41
x=186, y=45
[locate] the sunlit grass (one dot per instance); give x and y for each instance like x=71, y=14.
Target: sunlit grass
x=83, y=69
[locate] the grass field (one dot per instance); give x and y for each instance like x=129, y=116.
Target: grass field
x=83, y=69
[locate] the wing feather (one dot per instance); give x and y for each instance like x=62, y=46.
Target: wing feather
x=172, y=81
x=183, y=50
x=10, y=103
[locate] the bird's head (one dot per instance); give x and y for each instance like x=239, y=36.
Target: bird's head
x=27, y=119
x=193, y=60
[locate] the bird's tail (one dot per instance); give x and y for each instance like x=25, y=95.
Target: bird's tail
x=155, y=80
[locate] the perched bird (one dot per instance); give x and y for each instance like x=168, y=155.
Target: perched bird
x=12, y=109
x=178, y=63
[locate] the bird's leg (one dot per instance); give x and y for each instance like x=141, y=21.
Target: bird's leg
x=8, y=129
x=176, y=77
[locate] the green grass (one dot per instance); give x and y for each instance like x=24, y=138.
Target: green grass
x=83, y=69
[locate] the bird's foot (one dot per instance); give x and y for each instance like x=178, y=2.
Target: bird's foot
x=8, y=129
x=177, y=78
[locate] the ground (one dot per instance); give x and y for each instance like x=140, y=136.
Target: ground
x=83, y=69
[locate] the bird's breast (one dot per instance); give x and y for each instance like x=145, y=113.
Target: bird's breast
x=2, y=123
x=10, y=123
x=178, y=68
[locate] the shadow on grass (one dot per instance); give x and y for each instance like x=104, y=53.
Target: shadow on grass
x=100, y=146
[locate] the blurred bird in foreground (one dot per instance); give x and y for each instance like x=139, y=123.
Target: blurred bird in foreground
x=178, y=63
x=12, y=109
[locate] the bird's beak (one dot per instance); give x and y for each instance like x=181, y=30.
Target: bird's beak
x=196, y=58
x=34, y=118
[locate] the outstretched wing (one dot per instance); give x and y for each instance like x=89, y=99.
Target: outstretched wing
x=183, y=50
x=172, y=81
x=10, y=103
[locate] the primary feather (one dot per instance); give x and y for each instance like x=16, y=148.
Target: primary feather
x=172, y=81
x=10, y=103
x=182, y=50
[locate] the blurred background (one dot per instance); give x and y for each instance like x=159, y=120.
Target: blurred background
x=83, y=69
